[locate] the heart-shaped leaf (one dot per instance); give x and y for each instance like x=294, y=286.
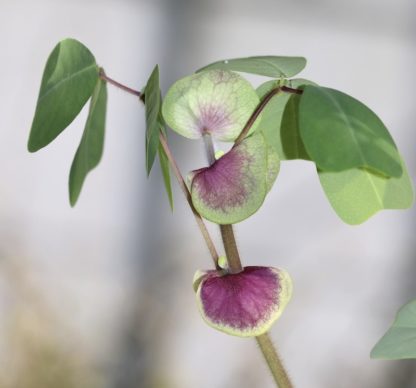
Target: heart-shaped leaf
x=90, y=149
x=68, y=82
x=271, y=66
x=358, y=193
x=244, y=304
x=234, y=186
x=273, y=167
x=341, y=133
x=215, y=102
x=400, y=340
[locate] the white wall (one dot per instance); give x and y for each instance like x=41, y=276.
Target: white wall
x=117, y=269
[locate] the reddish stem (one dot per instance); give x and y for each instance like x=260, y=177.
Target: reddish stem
x=106, y=78
x=260, y=108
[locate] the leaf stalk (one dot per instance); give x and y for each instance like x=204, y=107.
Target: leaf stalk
x=262, y=104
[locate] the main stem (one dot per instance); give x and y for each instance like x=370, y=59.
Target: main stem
x=234, y=262
x=273, y=361
x=269, y=351
x=231, y=250
x=227, y=233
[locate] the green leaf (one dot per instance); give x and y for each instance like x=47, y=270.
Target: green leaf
x=357, y=194
x=271, y=66
x=90, y=149
x=341, y=133
x=400, y=340
x=279, y=120
x=153, y=117
x=68, y=81
x=273, y=167
x=164, y=165
x=215, y=102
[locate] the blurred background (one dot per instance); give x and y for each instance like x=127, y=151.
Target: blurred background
x=100, y=296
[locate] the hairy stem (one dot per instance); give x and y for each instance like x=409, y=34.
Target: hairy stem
x=234, y=266
x=202, y=227
x=273, y=361
x=106, y=78
x=231, y=250
x=227, y=233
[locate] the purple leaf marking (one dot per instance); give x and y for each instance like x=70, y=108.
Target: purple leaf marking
x=244, y=304
x=234, y=187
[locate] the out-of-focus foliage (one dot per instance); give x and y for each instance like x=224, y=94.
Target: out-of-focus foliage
x=400, y=340
x=39, y=350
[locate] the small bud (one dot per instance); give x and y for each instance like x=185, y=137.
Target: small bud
x=219, y=153
x=222, y=262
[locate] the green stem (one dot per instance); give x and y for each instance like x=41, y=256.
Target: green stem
x=273, y=361
x=266, y=345
x=234, y=266
x=200, y=222
x=227, y=233
x=231, y=250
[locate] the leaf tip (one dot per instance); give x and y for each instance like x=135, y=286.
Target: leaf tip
x=171, y=204
x=373, y=353
x=73, y=193
x=149, y=165
x=33, y=143
x=31, y=147
x=72, y=201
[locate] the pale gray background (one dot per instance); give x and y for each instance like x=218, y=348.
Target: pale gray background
x=109, y=282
